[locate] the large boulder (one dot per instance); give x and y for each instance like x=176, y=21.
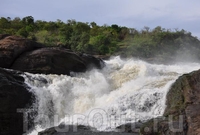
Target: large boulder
x=11, y=47
x=25, y=55
x=13, y=97
x=182, y=114
x=55, y=60
x=91, y=61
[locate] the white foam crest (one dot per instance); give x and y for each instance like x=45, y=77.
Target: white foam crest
x=122, y=89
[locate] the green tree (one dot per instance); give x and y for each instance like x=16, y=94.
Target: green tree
x=22, y=32
x=28, y=20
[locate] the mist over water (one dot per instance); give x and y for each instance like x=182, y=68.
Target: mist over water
x=124, y=91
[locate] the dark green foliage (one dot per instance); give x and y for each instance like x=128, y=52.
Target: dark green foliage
x=106, y=40
x=160, y=43
x=22, y=32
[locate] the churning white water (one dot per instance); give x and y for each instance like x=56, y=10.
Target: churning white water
x=124, y=91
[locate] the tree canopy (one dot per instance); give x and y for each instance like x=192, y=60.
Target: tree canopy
x=103, y=40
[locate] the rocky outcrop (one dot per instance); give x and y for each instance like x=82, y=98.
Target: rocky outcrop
x=78, y=130
x=59, y=130
x=130, y=128
x=91, y=61
x=29, y=56
x=55, y=60
x=182, y=115
x=11, y=47
x=49, y=61
x=13, y=96
x=2, y=36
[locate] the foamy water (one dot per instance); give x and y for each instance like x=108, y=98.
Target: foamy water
x=124, y=91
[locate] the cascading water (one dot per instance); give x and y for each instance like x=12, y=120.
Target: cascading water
x=124, y=91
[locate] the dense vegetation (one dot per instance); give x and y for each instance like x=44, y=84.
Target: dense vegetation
x=105, y=40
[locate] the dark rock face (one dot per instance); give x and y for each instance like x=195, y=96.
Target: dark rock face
x=130, y=128
x=92, y=61
x=188, y=103
x=2, y=36
x=28, y=56
x=59, y=130
x=11, y=47
x=54, y=60
x=164, y=126
x=13, y=96
x=182, y=115
x=79, y=130
x=49, y=60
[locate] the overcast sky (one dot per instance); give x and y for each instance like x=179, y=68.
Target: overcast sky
x=169, y=14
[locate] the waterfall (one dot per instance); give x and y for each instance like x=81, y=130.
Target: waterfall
x=123, y=91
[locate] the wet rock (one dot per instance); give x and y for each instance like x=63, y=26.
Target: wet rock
x=130, y=127
x=78, y=130
x=13, y=96
x=182, y=114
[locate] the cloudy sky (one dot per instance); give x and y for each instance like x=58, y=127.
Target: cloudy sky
x=169, y=14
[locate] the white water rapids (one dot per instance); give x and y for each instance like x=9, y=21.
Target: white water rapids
x=123, y=91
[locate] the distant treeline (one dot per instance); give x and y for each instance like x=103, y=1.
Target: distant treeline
x=104, y=40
